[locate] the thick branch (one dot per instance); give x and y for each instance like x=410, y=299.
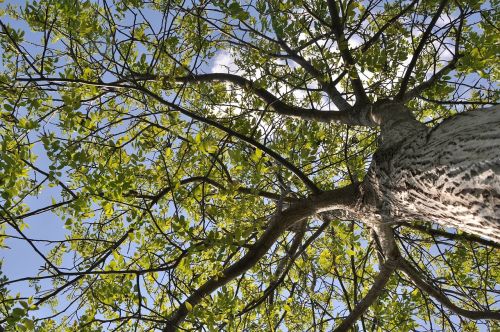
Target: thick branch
x=329, y=87
x=436, y=293
x=386, y=240
x=381, y=280
x=279, y=106
x=345, y=53
x=309, y=184
x=452, y=236
x=416, y=91
x=274, y=102
x=335, y=199
x=213, y=123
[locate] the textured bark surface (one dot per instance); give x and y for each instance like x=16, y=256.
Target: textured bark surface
x=449, y=174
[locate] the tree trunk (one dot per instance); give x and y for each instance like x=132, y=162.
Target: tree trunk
x=449, y=175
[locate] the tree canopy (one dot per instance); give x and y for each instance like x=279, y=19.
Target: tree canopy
x=189, y=152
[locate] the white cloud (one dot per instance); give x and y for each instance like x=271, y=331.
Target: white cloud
x=303, y=36
x=223, y=62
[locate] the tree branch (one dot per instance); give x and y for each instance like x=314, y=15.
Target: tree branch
x=384, y=27
x=386, y=270
x=279, y=106
x=345, y=53
x=90, y=269
x=436, y=293
x=327, y=219
x=366, y=46
x=309, y=184
x=416, y=91
x=453, y=236
x=214, y=183
x=329, y=87
x=420, y=47
x=279, y=275
x=274, y=102
x=11, y=221
x=214, y=123
x=335, y=199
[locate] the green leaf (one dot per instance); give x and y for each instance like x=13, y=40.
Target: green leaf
x=29, y=324
x=188, y=305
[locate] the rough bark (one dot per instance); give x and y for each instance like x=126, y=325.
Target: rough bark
x=449, y=174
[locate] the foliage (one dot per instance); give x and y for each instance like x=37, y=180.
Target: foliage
x=163, y=178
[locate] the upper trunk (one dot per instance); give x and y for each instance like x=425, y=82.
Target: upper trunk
x=449, y=174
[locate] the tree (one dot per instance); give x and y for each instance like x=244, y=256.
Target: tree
x=254, y=165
